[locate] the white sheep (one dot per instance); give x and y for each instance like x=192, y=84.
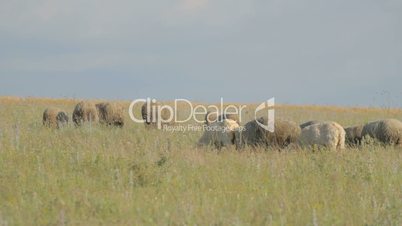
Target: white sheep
x=220, y=134
x=327, y=134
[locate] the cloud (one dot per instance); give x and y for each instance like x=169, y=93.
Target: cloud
x=76, y=62
x=290, y=48
x=191, y=5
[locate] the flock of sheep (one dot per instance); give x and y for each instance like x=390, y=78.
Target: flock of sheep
x=223, y=130
x=326, y=134
x=106, y=113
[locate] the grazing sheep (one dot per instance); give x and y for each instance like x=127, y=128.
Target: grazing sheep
x=110, y=114
x=211, y=117
x=285, y=133
x=309, y=123
x=151, y=117
x=85, y=112
x=220, y=134
x=250, y=135
x=387, y=131
x=54, y=118
x=328, y=134
x=354, y=135
x=233, y=117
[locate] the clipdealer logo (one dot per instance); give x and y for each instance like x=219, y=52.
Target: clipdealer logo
x=153, y=111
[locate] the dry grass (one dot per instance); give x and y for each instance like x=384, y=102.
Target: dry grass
x=135, y=176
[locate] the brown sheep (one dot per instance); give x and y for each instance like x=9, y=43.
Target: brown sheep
x=110, y=114
x=85, y=112
x=285, y=133
x=387, y=131
x=54, y=118
x=354, y=135
x=150, y=117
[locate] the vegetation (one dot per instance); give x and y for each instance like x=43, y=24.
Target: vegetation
x=136, y=176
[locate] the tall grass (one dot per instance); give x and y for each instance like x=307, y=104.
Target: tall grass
x=136, y=176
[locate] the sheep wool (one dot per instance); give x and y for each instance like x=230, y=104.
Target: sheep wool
x=54, y=118
x=111, y=114
x=285, y=133
x=387, y=131
x=85, y=112
x=150, y=114
x=327, y=134
x=309, y=123
x=354, y=135
x=219, y=134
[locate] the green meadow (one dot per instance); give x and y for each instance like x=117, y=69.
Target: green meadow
x=97, y=175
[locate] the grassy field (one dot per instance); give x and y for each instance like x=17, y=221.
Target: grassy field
x=134, y=176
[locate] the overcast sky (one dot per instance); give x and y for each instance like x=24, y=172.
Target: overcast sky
x=336, y=52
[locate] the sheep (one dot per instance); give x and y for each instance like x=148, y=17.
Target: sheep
x=253, y=134
x=309, y=123
x=211, y=117
x=110, y=114
x=250, y=135
x=54, y=118
x=150, y=117
x=220, y=134
x=233, y=117
x=354, y=135
x=85, y=112
x=387, y=131
x=327, y=134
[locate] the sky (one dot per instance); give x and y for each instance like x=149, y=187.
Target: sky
x=324, y=52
